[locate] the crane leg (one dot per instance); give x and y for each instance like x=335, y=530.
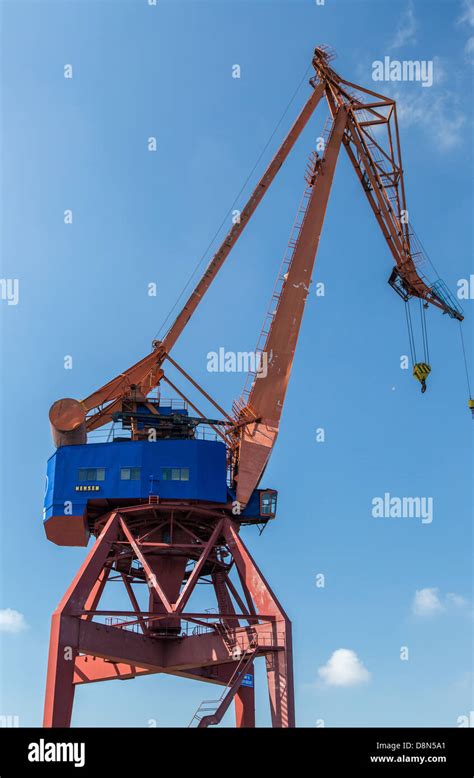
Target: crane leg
x=59, y=685
x=280, y=679
x=245, y=705
x=64, y=638
x=279, y=662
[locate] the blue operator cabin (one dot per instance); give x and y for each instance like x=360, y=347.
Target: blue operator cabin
x=182, y=461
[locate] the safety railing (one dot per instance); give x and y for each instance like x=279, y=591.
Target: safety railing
x=115, y=433
x=121, y=623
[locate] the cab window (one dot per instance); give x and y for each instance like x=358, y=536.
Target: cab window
x=91, y=474
x=129, y=473
x=268, y=502
x=175, y=474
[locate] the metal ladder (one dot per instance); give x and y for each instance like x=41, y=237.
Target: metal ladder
x=311, y=175
x=210, y=712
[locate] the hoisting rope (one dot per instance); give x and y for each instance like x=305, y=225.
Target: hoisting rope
x=421, y=370
x=424, y=332
x=411, y=338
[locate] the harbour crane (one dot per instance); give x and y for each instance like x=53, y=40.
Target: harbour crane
x=166, y=498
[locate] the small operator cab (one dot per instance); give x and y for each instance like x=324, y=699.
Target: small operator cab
x=268, y=503
x=261, y=507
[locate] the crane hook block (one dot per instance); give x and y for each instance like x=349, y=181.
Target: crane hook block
x=470, y=405
x=421, y=372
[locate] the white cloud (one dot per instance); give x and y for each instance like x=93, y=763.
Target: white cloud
x=427, y=602
x=405, y=33
x=12, y=621
x=343, y=668
x=439, y=114
x=467, y=15
x=457, y=600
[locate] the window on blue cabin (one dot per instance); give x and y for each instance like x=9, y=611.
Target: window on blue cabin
x=91, y=474
x=129, y=473
x=175, y=473
x=268, y=501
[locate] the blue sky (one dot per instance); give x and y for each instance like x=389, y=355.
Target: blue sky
x=142, y=217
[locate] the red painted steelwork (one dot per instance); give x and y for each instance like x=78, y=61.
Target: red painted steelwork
x=167, y=638
x=268, y=392
x=171, y=546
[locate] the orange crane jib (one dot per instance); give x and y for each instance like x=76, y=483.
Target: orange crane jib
x=376, y=158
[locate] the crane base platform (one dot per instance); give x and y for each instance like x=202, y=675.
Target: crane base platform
x=157, y=557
